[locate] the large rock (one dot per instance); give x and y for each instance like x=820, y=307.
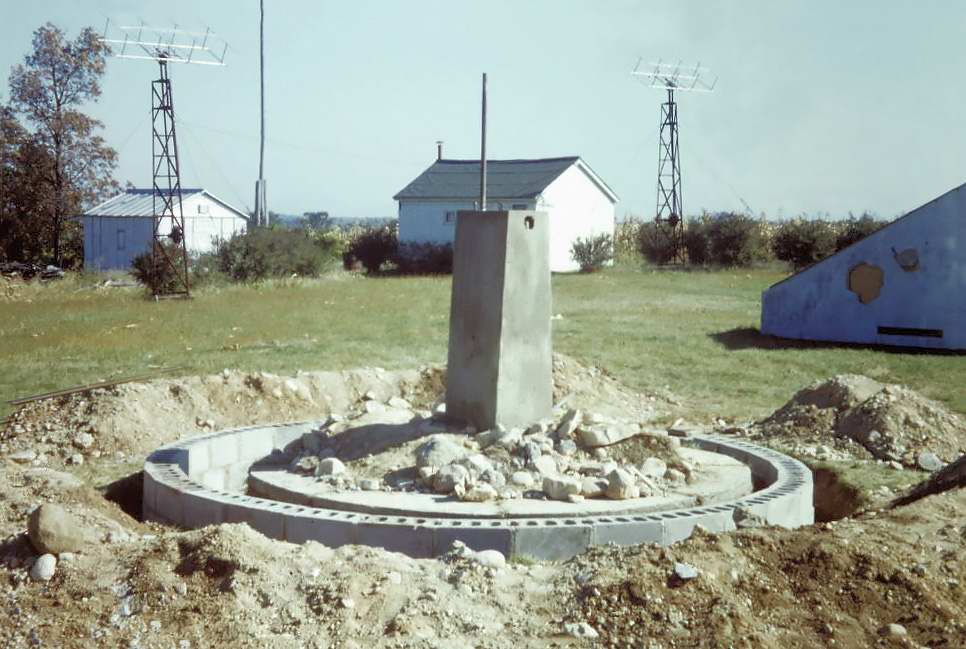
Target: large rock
x=605, y=435
x=331, y=466
x=479, y=493
x=593, y=487
x=545, y=465
x=929, y=461
x=561, y=487
x=53, y=530
x=439, y=451
x=621, y=485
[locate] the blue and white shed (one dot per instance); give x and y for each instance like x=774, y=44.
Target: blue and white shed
x=578, y=202
x=121, y=228
x=904, y=285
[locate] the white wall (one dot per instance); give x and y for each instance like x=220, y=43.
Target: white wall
x=214, y=220
x=424, y=220
x=577, y=208
x=817, y=304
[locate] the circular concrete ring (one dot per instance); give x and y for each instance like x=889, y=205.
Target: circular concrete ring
x=201, y=481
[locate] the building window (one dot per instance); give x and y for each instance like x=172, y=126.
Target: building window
x=121, y=239
x=202, y=209
x=519, y=206
x=449, y=218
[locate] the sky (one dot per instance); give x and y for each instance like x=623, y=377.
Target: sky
x=820, y=106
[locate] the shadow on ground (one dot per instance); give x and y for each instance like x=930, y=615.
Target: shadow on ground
x=752, y=338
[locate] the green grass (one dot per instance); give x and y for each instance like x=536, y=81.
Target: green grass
x=691, y=332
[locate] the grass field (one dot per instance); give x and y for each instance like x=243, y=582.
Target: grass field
x=694, y=333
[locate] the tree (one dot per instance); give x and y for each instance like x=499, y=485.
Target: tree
x=76, y=169
x=317, y=220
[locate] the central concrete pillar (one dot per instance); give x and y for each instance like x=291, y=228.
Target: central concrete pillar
x=500, y=367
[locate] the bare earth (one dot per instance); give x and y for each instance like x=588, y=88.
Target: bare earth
x=143, y=585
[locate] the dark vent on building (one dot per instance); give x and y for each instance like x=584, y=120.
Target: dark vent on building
x=911, y=331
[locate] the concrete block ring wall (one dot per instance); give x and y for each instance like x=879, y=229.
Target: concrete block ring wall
x=188, y=485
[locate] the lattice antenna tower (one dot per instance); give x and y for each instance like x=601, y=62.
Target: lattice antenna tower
x=166, y=45
x=669, y=215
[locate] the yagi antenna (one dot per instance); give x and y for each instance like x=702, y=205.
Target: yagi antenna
x=171, y=45
x=676, y=76
x=672, y=77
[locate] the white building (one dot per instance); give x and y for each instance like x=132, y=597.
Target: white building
x=121, y=228
x=904, y=285
x=579, y=203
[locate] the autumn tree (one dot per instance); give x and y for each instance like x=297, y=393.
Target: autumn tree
x=74, y=165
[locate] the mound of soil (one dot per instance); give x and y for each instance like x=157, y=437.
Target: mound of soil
x=865, y=419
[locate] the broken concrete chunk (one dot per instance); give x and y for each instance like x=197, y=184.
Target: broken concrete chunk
x=597, y=435
x=621, y=485
x=560, y=487
x=439, y=451
x=330, y=466
x=568, y=424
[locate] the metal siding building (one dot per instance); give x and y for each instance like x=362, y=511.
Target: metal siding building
x=904, y=285
x=120, y=229
x=577, y=201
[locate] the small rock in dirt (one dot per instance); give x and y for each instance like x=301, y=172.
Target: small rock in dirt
x=23, y=457
x=580, y=630
x=84, y=440
x=330, y=466
x=894, y=630
x=685, y=571
x=929, y=461
x=559, y=488
x=439, y=451
x=53, y=530
x=621, y=485
x=43, y=568
x=594, y=436
x=76, y=459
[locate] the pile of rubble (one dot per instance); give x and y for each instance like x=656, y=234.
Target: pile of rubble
x=854, y=417
x=28, y=271
x=569, y=457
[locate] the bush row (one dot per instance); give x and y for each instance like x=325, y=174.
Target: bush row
x=729, y=239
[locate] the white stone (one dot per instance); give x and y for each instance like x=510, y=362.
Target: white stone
x=24, y=457
x=489, y=559
x=545, y=465
x=477, y=463
x=566, y=447
x=654, y=467
x=479, y=493
x=399, y=402
x=522, y=479
x=330, y=466
x=43, y=568
x=594, y=436
x=593, y=487
x=685, y=571
x=374, y=407
x=621, y=485
x=370, y=484
x=929, y=461
x=580, y=630
x=568, y=424
x=559, y=488
x=84, y=440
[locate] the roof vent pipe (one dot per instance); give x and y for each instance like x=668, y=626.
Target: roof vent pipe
x=439, y=149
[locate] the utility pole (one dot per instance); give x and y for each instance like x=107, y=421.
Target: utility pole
x=261, y=200
x=483, y=152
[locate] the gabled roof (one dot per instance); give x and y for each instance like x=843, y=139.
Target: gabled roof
x=505, y=179
x=140, y=203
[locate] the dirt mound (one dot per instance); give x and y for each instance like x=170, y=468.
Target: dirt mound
x=135, y=418
x=860, y=418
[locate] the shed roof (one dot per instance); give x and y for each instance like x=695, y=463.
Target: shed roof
x=505, y=179
x=138, y=202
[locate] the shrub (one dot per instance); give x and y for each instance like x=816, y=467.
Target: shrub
x=372, y=248
x=158, y=276
x=734, y=240
x=269, y=252
x=802, y=243
x=654, y=244
x=593, y=252
x=696, y=242
x=856, y=229
x=425, y=258
x=625, y=239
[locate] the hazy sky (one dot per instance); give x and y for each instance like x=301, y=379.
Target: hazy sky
x=821, y=105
